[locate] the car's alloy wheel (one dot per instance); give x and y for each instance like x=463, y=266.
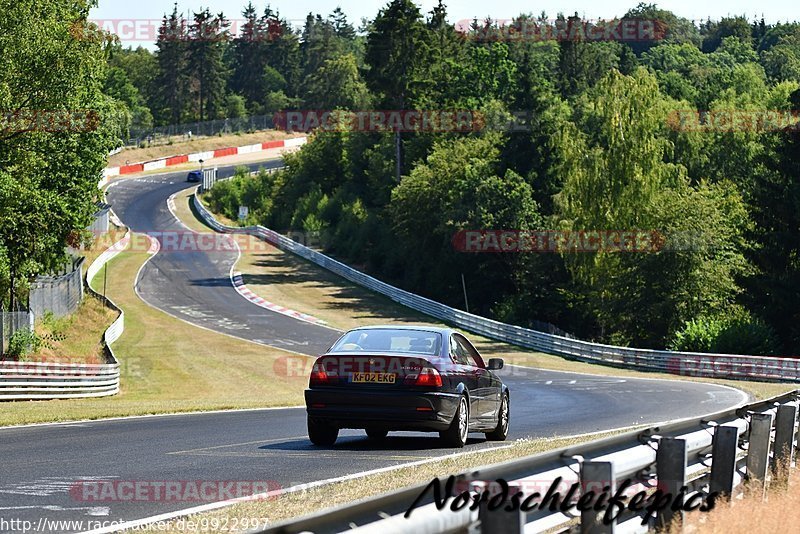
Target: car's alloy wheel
x=500, y=433
x=456, y=435
x=321, y=432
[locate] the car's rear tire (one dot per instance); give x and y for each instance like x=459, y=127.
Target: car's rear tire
x=322, y=433
x=377, y=434
x=456, y=435
x=500, y=433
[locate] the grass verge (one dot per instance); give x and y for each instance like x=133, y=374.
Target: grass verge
x=169, y=366
x=300, y=285
x=754, y=512
x=75, y=338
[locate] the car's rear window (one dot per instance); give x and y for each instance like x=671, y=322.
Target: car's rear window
x=385, y=340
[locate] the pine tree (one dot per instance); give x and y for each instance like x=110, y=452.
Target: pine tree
x=208, y=35
x=249, y=57
x=283, y=50
x=171, y=81
x=341, y=27
x=398, y=56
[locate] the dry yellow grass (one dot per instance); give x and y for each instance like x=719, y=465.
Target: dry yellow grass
x=197, y=144
x=76, y=338
x=779, y=511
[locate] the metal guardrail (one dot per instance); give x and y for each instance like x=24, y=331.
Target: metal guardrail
x=730, y=366
x=44, y=381
x=707, y=455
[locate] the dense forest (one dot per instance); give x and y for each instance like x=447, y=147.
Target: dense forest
x=689, y=137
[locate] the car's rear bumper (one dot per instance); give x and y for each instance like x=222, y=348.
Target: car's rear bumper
x=392, y=410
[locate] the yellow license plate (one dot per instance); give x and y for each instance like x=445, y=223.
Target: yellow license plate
x=373, y=378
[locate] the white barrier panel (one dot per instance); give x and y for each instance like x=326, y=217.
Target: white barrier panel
x=155, y=165
x=295, y=141
x=197, y=156
x=250, y=149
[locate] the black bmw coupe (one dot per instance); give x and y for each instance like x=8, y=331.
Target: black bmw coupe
x=420, y=378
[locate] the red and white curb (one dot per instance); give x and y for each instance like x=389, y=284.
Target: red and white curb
x=244, y=291
x=163, y=163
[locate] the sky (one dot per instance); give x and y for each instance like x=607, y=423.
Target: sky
x=131, y=19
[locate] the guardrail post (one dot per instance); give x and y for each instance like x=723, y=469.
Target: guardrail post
x=500, y=520
x=723, y=459
x=784, y=440
x=671, y=475
x=596, y=476
x=758, y=449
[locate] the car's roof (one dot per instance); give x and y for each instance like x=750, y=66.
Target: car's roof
x=422, y=327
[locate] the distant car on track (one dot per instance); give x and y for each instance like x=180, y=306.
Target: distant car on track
x=195, y=176
x=419, y=378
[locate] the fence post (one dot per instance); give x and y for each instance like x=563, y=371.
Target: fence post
x=671, y=475
x=758, y=450
x=499, y=520
x=723, y=459
x=595, y=476
x=784, y=440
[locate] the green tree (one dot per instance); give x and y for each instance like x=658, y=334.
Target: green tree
x=172, y=80
x=337, y=84
x=458, y=188
x=208, y=35
x=775, y=290
x=676, y=30
x=119, y=86
x=716, y=32
x=141, y=67
x=249, y=52
x=397, y=54
x=782, y=61
x=616, y=176
x=49, y=166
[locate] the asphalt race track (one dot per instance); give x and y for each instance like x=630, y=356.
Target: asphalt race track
x=41, y=467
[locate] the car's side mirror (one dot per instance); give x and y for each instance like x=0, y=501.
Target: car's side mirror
x=495, y=364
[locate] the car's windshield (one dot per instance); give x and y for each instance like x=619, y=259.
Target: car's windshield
x=388, y=340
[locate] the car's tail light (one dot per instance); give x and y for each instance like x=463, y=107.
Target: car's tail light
x=320, y=377
x=428, y=377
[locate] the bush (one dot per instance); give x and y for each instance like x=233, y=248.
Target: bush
x=748, y=335
x=738, y=333
x=23, y=342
